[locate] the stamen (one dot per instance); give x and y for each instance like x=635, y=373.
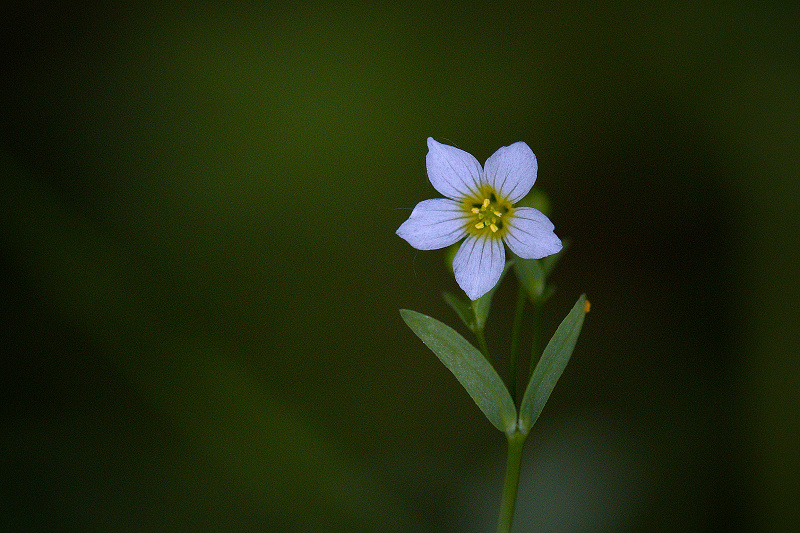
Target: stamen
x=487, y=212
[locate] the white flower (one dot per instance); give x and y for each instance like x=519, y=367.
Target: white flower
x=480, y=207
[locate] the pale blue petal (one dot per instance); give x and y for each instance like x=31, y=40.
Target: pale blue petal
x=530, y=234
x=511, y=171
x=434, y=224
x=478, y=265
x=453, y=172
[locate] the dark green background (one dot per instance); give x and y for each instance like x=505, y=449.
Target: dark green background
x=200, y=318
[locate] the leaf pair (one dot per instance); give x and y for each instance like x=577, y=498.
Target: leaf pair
x=481, y=380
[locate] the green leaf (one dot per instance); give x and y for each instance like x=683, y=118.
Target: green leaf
x=469, y=366
x=551, y=366
x=462, y=308
x=481, y=305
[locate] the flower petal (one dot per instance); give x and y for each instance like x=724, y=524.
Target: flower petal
x=530, y=234
x=434, y=224
x=478, y=265
x=511, y=170
x=453, y=172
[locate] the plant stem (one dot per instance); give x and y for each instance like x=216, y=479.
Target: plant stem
x=512, y=362
x=479, y=334
x=515, y=444
x=536, y=353
x=482, y=343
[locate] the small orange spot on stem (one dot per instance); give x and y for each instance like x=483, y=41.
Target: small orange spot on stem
x=586, y=306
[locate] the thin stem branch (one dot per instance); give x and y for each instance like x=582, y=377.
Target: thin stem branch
x=536, y=353
x=482, y=344
x=514, y=357
x=479, y=334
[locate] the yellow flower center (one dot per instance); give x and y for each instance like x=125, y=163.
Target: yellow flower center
x=488, y=213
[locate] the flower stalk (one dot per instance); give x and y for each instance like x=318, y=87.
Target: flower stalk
x=538, y=306
x=515, y=333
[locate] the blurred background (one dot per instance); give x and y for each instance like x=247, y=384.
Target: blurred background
x=200, y=326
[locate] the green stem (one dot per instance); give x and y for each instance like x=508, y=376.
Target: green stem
x=536, y=353
x=482, y=343
x=479, y=334
x=512, y=378
x=515, y=444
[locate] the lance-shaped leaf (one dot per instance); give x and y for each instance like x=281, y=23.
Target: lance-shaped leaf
x=469, y=366
x=551, y=366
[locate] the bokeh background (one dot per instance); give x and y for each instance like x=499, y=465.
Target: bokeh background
x=201, y=279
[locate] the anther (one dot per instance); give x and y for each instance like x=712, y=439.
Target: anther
x=480, y=225
x=493, y=228
x=485, y=203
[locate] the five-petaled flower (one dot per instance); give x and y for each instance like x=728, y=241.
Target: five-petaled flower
x=479, y=205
